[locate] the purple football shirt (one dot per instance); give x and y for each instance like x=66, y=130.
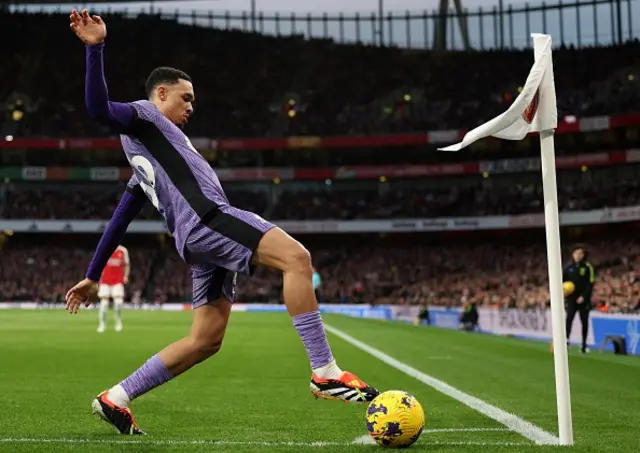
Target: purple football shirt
x=217, y=239
x=176, y=179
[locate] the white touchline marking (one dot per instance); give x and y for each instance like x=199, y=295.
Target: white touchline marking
x=368, y=440
x=364, y=440
x=511, y=421
x=462, y=430
x=224, y=443
x=213, y=443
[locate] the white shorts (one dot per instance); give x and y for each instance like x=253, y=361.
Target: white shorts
x=115, y=291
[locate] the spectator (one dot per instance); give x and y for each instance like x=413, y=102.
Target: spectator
x=506, y=195
x=348, y=89
x=364, y=271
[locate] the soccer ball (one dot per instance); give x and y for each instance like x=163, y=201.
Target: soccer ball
x=395, y=419
x=568, y=288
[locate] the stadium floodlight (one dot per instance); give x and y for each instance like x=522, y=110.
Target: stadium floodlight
x=534, y=110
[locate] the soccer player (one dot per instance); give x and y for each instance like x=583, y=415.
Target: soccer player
x=214, y=238
x=112, y=281
x=583, y=275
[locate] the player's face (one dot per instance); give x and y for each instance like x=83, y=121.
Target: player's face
x=578, y=255
x=176, y=101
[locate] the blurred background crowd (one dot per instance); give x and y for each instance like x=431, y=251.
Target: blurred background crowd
x=406, y=198
x=268, y=86
x=494, y=271
x=271, y=87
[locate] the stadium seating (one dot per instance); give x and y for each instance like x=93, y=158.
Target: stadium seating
x=502, y=196
x=44, y=273
x=96, y=201
x=333, y=89
x=508, y=272
x=336, y=88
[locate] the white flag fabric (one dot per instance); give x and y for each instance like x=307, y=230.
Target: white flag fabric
x=534, y=109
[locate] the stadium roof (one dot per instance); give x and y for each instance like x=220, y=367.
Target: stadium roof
x=41, y=2
x=54, y=2
x=69, y=2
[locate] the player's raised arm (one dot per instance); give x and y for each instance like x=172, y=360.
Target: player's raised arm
x=92, y=31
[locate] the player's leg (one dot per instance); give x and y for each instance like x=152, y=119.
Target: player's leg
x=237, y=240
x=209, y=319
x=572, y=308
x=278, y=250
x=117, y=291
x=584, y=310
x=204, y=340
x=104, y=293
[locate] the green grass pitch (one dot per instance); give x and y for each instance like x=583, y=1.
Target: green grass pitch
x=253, y=396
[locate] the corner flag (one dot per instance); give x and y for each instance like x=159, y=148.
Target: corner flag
x=534, y=110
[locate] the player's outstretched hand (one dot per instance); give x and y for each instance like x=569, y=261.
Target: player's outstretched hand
x=83, y=293
x=90, y=29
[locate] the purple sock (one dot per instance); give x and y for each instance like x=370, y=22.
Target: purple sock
x=311, y=331
x=149, y=376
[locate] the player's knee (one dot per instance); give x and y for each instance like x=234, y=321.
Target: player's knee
x=280, y=251
x=298, y=259
x=206, y=344
x=118, y=301
x=205, y=348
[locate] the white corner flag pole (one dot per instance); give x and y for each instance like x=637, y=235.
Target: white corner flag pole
x=534, y=110
x=554, y=258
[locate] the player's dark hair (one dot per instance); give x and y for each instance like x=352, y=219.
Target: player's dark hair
x=164, y=74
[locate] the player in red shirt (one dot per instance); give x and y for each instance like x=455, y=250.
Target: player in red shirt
x=112, y=281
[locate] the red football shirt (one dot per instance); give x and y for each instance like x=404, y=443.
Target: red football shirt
x=113, y=273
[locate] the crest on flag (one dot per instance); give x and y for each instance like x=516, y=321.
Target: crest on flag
x=530, y=113
x=534, y=110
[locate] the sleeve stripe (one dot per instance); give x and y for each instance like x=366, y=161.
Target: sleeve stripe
x=592, y=273
x=135, y=190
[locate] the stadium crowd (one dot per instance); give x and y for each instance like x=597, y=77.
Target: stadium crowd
x=332, y=88
x=93, y=201
x=450, y=201
x=494, y=272
x=509, y=196
x=268, y=86
x=503, y=275
x=45, y=273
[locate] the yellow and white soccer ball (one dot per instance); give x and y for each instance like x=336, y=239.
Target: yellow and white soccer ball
x=568, y=288
x=395, y=419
